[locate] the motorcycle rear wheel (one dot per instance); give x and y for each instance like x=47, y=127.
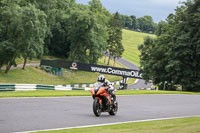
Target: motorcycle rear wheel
x=97, y=107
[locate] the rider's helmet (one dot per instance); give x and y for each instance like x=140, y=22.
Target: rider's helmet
x=101, y=79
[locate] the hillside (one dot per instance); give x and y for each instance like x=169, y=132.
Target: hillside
x=33, y=75
x=131, y=40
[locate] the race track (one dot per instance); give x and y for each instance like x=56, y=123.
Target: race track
x=141, y=83
x=28, y=114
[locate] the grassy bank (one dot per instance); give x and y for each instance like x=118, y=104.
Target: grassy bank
x=47, y=93
x=33, y=75
x=180, y=125
x=131, y=40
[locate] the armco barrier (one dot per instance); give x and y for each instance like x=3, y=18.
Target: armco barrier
x=34, y=87
x=7, y=86
x=31, y=87
x=45, y=87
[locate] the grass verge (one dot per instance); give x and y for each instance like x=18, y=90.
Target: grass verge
x=131, y=40
x=48, y=93
x=34, y=75
x=44, y=93
x=180, y=125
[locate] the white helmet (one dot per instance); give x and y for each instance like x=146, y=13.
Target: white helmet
x=101, y=79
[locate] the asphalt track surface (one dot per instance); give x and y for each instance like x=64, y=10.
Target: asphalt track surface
x=141, y=83
x=28, y=114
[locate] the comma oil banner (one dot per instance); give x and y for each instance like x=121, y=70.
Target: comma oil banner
x=93, y=68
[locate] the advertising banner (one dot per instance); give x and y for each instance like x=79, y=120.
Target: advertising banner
x=93, y=68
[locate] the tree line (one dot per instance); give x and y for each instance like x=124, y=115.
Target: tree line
x=33, y=28
x=141, y=24
x=173, y=58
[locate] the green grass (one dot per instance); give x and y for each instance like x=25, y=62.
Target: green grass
x=140, y=92
x=131, y=40
x=21, y=60
x=44, y=93
x=130, y=81
x=116, y=64
x=50, y=93
x=180, y=125
x=34, y=75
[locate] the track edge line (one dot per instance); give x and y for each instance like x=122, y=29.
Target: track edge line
x=107, y=124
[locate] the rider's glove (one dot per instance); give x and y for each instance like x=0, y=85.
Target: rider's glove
x=107, y=89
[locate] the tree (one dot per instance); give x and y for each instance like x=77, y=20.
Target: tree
x=127, y=21
x=115, y=47
x=33, y=23
x=87, y=34
x=174, y=57
x=146, y=24
x=10, y=13
x=96, y=6
x=23, y=32
x=153, y=60
x=160, y=28
x=56, y=12
x=7, y=50
x=184, y=47
x=134, y=22
x=58, y=44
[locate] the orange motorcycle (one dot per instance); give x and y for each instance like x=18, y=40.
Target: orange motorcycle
x=103, y=101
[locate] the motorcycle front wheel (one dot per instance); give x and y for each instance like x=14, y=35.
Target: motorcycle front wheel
x=114, y=109
x=97, y=107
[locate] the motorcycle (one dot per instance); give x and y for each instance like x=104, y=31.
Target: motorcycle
x=103, y=101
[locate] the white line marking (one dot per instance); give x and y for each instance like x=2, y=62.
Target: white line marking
x=97, y=125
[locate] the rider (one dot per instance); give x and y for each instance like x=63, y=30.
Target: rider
x=108, y=85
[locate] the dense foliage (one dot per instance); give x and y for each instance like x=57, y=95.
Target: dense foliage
x=115, y=47
x=173, y=59
x=23, y=29
x=142, y=24
x=87, y=32
x=33, y=28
